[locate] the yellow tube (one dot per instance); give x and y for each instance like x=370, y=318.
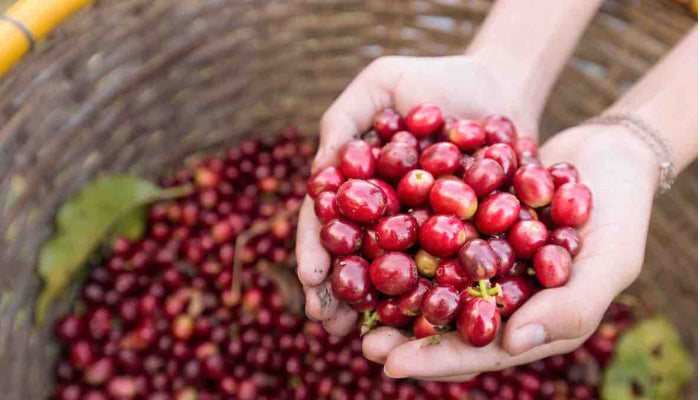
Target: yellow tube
x=39, y=17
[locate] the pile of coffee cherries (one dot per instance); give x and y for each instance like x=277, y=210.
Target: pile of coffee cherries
x=434, y=220
x=157, y=318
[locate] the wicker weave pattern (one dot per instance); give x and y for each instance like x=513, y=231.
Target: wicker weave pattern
x=137, y=85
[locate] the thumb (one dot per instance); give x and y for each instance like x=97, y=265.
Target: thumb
x=353, y=111
x=572, y=311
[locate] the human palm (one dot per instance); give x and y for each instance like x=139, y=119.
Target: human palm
x=462, y=86
x=621, y=173
x=621, y=177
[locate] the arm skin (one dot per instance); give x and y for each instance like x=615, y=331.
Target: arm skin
x=667, y=99
x=527, y=44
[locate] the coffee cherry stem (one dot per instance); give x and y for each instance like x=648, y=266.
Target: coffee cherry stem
x=369, y=320
x=432, y=340
x=485, y=290
x=176, y=192
x=243, y=239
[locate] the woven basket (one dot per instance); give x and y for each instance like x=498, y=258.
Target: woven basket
x=138, y=85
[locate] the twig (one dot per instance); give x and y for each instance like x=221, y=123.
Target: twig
x=243, y=239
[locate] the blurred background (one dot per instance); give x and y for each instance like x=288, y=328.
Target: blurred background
x=138, y=85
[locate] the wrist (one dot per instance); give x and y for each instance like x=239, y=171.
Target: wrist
x=611, y=150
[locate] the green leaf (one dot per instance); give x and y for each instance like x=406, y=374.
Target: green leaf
x=111, y=203
x=650, y=363
x=131, y=225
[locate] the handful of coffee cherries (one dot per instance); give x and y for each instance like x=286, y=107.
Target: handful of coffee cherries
x=436, y=221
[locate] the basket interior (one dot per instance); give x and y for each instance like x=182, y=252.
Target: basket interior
x=138, y=86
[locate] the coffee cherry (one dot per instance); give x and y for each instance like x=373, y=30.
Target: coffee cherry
x=341, y=237
x=82, y=353
x=478, y=321
x=484, y=176
x=394, y=273
x=449, y=196
x=533, y=185
x=552, y=265
x=442, y=235
x=70, y=328
x=466, y=134
x=440, y=304
x=526, y=236
x=424, y=119
x=405, y=137
x=100, y=371
x=182, y=327
x=393, y=204
x=441, y=159
x=122, y=387
x=414, y=187
x=370, y=244
x=478, y=260
x=525, y=146
x=69, y=392
x=527, y=213
x=497, y=213
x=567, y=238
x=449, y=273
x=422, y=328
x=387, y=122
x=361, y=201
x=350, y=278
x=420, y=215
x=504, y=155
x=514, y=293
x=571, y=205
x=397, y=232
x=390, y=313
x=328, y=179
x=470, y=230
x=544, y=215
x=369, y=302
x=325, y=206
x=499, y=129
x=356, y=160
x=99, y=323
x=505, y=254
x=426, y=263
x=410, y=303
x=562, y=173
x=96, y=394
x=396, y=159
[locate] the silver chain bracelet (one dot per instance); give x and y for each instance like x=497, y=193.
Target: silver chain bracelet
x=651, y=136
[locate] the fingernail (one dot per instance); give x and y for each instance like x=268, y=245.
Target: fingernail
x=526, y=337
x=319, y=158
x=386, y=372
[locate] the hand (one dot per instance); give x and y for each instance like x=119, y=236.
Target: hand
x=622, y=173
x=461, y=86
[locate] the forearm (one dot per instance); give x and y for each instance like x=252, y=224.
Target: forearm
x=526, y=44
x=667, y=99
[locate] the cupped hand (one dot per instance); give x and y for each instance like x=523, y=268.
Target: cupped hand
x=622, y=174
x=461, y=86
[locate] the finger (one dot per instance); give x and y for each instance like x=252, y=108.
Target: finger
x=342, y=322
x=451, y=378
x=321, y=304
x=377, y=344
x=353, y=111
x=451, y=357
x=569, y=312
x=312, y=259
